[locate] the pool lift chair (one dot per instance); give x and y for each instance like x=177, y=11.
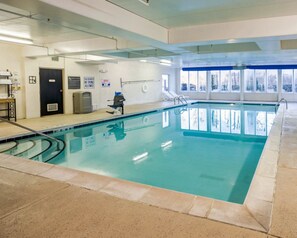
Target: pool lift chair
x=118, y=104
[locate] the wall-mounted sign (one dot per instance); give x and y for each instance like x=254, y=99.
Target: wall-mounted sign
x=73, y=82
x=89, y=82
x=51, y=80
x=32, y=79
x=105, y=83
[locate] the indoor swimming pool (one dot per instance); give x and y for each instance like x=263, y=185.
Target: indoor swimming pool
x=203, y=149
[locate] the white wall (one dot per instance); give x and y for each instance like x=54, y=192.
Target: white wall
x=130, y=72
x=11, y=59
x=70, y=68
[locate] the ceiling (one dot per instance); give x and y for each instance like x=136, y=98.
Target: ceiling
x=179, y=13
x=186, y=32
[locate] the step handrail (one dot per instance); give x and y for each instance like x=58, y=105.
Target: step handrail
x=34, y=131
x=284, y=100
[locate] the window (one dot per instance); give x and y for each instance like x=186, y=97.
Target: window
x=249, y=80
x=193, y=80
x=287, y=80
x=272, y=76
x=214, y=78
x=165, y=82
x=261, y=81
x=225, y=79
x=202, y=81
x=184, y=80
x=260, y=76
x=295, y=79
x=235, y=80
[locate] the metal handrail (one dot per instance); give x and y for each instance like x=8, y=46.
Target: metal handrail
x=284, y=100
x=180, y=99
x=29, y=129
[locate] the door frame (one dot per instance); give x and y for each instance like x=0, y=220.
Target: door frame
x=62, y=81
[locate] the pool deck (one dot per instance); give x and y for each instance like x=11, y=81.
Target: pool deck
x=42, y=200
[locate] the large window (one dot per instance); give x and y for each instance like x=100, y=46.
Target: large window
x=272, y=76
x=184, y=80
x=260, y=77
x=214, y=80
x=295, y=79
x=225, y=80
x=202, y=75
x=261, y=81
x=235, y=80
x=193, y=80
x=287, y=80
x=165, y=82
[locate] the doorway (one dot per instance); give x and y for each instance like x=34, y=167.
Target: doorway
x=165, y=82
x=51, y=92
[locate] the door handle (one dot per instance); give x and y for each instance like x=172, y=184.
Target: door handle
x=61, y=90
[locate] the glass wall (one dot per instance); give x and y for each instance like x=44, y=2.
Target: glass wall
x=255, y=80
x=263, y=81
x=235, y=80
x=193, y=81
x=202, y=76
x=287, y=80
x=184, y=80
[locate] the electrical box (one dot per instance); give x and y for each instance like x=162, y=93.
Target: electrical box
x=82, y=102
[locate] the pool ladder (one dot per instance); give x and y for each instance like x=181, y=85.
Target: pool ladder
x=281, y=100
x=180, y=99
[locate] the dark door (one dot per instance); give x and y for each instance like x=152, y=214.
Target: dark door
x=51, y=94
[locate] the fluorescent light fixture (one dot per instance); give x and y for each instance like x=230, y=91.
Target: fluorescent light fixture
x=165, y=62
x=166, y=144
x=145, y=2
x=143, y=61
x=16, y=34
x=91, y=57
x=16, y=40
x=140, y=157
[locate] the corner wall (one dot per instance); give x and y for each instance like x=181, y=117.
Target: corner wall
x=11, y=59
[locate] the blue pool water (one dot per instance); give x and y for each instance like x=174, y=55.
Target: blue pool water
x=210, y=150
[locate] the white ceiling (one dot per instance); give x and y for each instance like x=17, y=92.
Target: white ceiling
x=130, y=30
x=179, y=13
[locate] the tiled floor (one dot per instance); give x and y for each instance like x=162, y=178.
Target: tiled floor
x=39, y=206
